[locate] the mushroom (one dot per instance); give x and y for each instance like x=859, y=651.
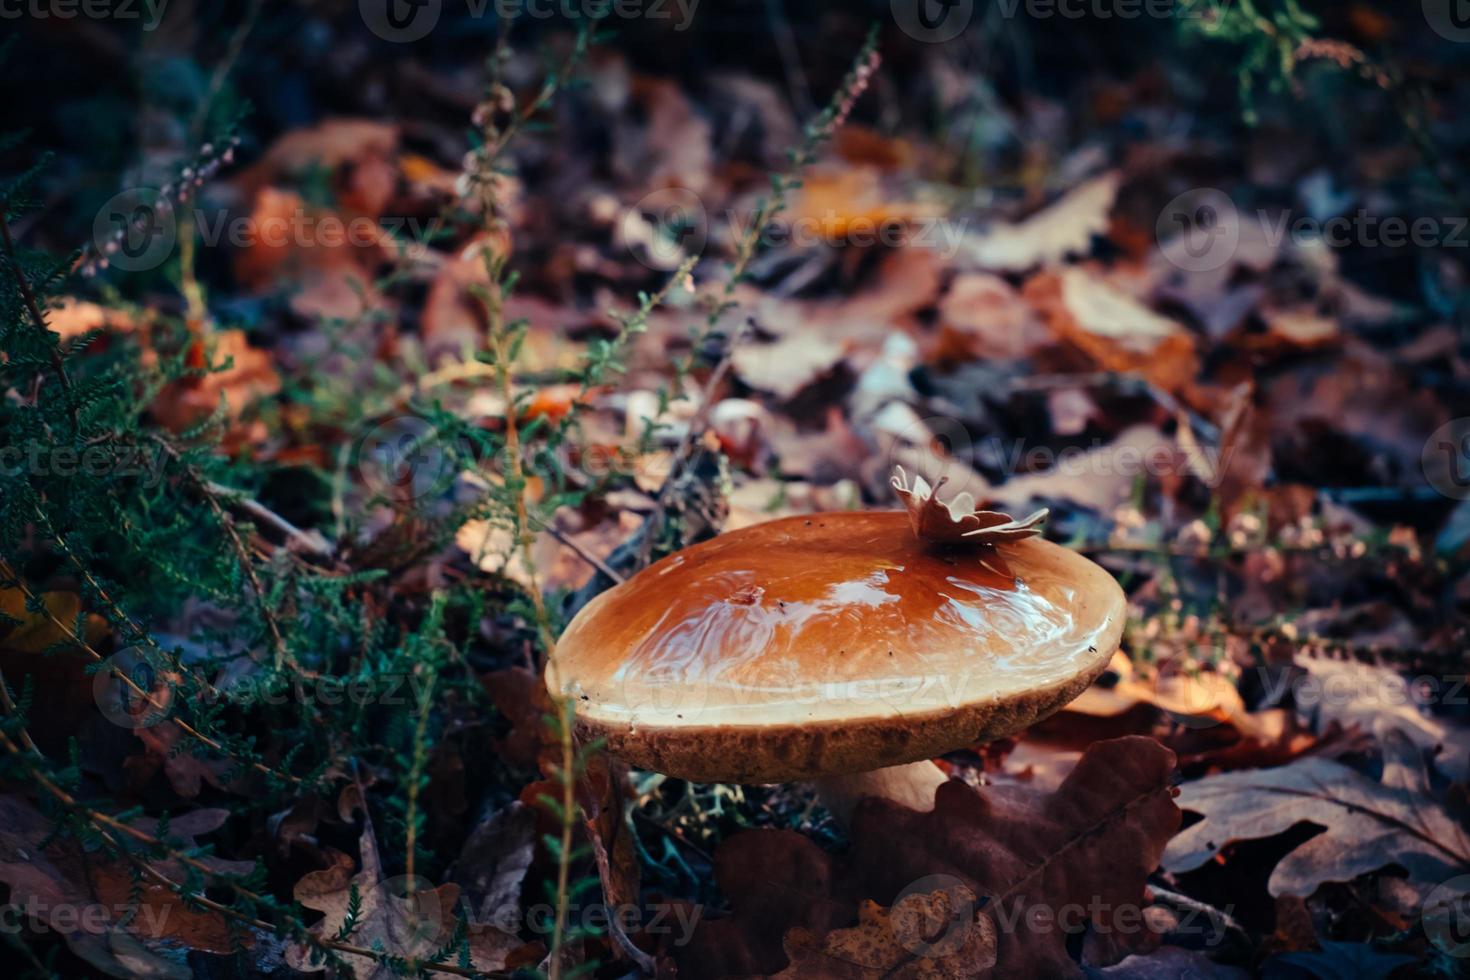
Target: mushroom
x=846, y=648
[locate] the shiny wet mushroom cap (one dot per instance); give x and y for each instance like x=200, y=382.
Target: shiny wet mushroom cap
x=834, y=644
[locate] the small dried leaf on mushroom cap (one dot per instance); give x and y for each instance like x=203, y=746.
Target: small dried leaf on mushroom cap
x=959, y=521
x=1008, y=529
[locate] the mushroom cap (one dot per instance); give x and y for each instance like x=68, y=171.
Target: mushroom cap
x=831, y=643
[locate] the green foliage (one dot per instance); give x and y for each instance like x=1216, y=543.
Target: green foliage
x=1266, y=35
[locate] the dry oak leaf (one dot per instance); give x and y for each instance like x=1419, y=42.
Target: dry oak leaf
x=1095, y=480
x=1182, y=691
x=357, y=154
x=244, y=374
x=1112, y=329
x=186, y=772
x=72, y=318
x=1377, y=698
x=1071, y=860
x=982, y=316
x=959, y=521
x=93, y=902
x=1369, y=825
x=892, y=943
x=849, y=205
x=1050, y=235
x=495, y=550
x=24, y=631
x=323, y=258
x=786, y=366
x=492, y=864
x=402, y=917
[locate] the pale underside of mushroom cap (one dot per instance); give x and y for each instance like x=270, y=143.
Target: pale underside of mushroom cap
x=830, y=644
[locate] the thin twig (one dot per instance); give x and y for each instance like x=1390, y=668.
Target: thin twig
x=579, y=551
x=312, y=542
x=1221, y=919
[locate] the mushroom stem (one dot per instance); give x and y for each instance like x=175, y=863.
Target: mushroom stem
x=911, y=785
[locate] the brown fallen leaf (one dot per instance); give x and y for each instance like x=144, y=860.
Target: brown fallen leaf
x=404, y=917
x=24, y=631
x=1369, y=825
x=492, y=865
x=519, y=695
x=324, y=259
x=1033, y=859
x=670, y=146
x=186, y=772
x=93, y=902
x=74, y=318
x=1038, y=762
x=357, y=154
x=1296, y=328
x=60, y=679
x=1245, y=451
x=247, y=373
x=1348, y=693
x=611, y=839
x=1273, y=737
x=1064, y=228
x=453, y=320
x=983, y=316
x=1356, y=413
x=897, y=943
x=494, y=550
x=1099, y=478
x=1112, y=329
x=849, y=205
x=786, y=366
x=1198, y=696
